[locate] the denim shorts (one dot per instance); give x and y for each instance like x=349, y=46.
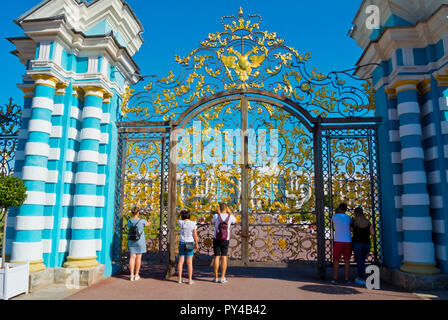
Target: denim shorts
x=183, y=251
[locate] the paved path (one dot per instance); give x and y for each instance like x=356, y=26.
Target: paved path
x=244, y=284
x=53, y=292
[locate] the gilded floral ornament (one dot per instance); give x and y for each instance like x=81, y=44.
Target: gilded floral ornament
x=243, y=57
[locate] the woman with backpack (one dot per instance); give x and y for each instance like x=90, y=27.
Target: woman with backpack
x=136, y=242
x=362, y=230
x=222, y=221
x=188, y=243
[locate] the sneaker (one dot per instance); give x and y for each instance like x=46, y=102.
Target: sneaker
x=179, y=281
x=359, y=281
x=191, y=282
x=132, y=278
x=224, y=280
x=137, y=277
x=333, y=282
x=216, y=280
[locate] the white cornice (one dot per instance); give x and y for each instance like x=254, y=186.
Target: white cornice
x=85, y=79
x=79, y=44
x=413, y=11
x=25, y=49
x=424, y=72
x=420, y=36
x=361, y=34
x=81, y=16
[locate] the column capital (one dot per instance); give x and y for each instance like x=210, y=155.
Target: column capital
x=406, y=85
x=45, y=80
x=60, y=88
x=424, y=86
x=107, y=97
x=442, y=80
x=391, y=93
x=78, y=92
x=94, y=91
x=28, y=90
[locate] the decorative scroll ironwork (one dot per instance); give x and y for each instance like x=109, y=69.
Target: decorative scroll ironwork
x=205, y=240
x=274, y=238
x=203, y=181
x=10, y=115
x=351, y=175
x=279, y=223
x=290, y=180
x=142, y=175
x=277, y=238
x=242, y=57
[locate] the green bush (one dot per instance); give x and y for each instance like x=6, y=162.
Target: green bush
x=12, y=192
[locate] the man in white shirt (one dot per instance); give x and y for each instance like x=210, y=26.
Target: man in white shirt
x=342, y=244
x=221, y=240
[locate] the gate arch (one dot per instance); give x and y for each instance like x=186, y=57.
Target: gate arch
x=259, y=95
x=218, y=72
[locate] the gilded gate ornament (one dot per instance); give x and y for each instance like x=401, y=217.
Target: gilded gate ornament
x=282, y=226
x=242, y=64
x=243, y=57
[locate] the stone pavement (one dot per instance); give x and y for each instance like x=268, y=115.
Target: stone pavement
x=53, y=292
x=244, y=284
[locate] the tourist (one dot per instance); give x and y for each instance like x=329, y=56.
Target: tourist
x=362, y=229
x=136, y=241
x=342, y=242
x=188, y=242
x=223, y=221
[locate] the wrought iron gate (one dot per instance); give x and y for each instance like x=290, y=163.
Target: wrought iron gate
x=342, y=167
x=142, y=179
x=265, y=81
x=351, y=174
x=10, y=116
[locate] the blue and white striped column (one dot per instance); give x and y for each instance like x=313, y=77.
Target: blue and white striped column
x=104, y=178
x=58, y=140
x=83, y=243
x=418, y=246
x=397, y=173
x=19, y=159
x=72, y=149
x=439, y=97
x=30, y=222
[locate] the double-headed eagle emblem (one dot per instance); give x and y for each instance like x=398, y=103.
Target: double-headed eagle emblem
x=242, y=64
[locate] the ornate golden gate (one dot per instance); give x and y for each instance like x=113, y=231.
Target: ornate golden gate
x=319, y=132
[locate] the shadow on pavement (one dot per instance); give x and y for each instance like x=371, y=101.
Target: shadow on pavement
x=329, y=289
x=304, y=274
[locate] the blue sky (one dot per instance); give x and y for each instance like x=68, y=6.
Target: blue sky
x=176, y=27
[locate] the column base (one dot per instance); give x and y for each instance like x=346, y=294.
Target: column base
x=419, y=268
x=35, y=266
x=81, y=263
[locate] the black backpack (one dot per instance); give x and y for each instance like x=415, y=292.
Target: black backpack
x=133, y=234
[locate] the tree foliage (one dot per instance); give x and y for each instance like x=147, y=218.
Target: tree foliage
x=12, y=192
